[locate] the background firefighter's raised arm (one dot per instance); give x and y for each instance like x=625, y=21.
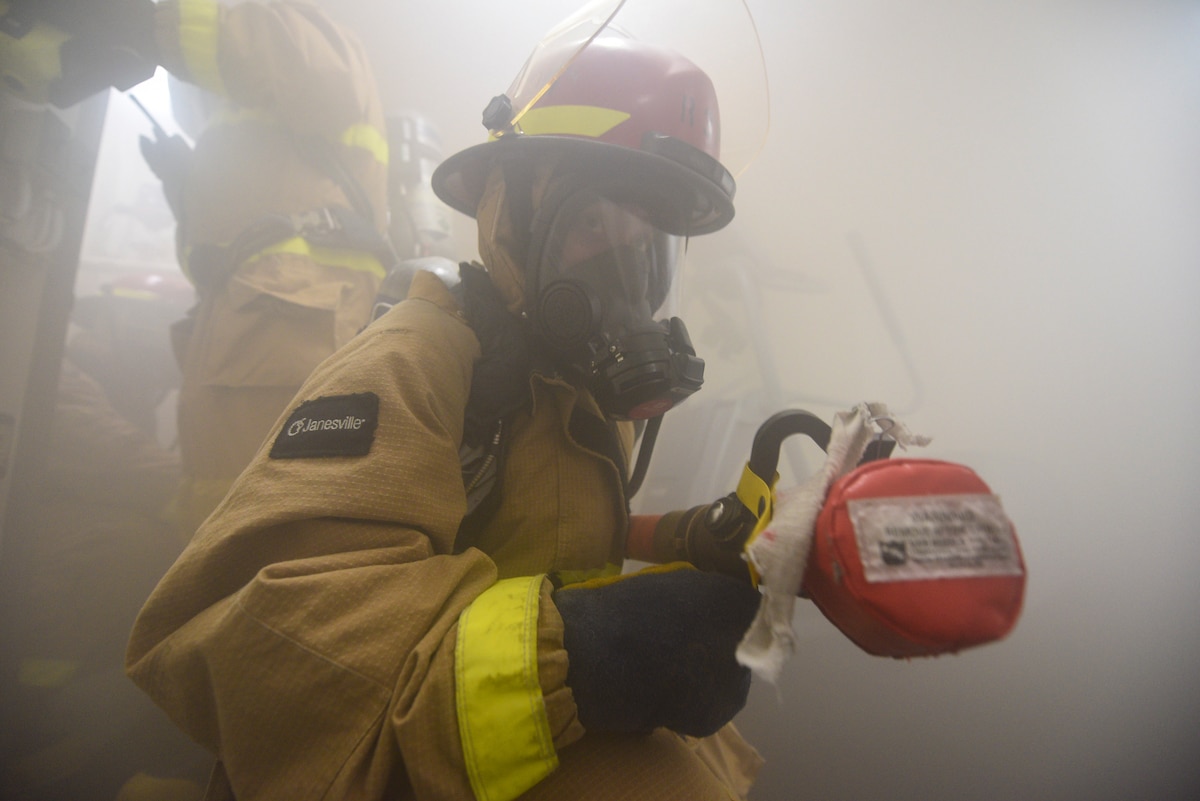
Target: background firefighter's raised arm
x=286, y=57
x=289, y=60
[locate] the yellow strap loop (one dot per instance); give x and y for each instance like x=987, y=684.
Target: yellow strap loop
x=759, y=497
x=502, y=718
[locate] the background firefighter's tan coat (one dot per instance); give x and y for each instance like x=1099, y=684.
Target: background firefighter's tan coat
x=287, y=72
x=307, y=633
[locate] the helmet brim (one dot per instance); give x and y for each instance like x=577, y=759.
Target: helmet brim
x=699, y=203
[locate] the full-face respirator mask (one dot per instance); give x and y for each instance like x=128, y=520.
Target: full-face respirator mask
x=601, y=268
x=609, y=92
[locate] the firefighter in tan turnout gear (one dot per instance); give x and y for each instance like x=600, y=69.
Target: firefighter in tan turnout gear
x=415, y=591
x=281, y=207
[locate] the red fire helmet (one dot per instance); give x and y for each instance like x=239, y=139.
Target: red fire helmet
x=642, y=114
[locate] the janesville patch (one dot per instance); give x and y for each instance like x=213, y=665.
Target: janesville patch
x=338, y=425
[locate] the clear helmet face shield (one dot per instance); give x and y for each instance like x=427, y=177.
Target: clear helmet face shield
x=633, y=81
x=722, y=41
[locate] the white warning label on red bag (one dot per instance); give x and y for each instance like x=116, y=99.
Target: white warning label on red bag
x=934, y=536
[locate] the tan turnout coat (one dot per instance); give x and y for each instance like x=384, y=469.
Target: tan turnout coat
x=309, y=634
x=284, y=72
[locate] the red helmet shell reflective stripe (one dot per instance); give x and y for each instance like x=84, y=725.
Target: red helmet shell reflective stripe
x=634, y=87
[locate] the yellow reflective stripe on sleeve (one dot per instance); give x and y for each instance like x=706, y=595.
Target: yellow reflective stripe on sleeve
x=369, y=138
x=578, y=120
x=501, y=712
x=198, y=35
x=331, y=257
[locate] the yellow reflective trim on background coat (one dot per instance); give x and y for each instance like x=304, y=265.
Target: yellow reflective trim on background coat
x=330, y=257
x=29, y=64
x=361, y=136
x=198, y=37
x=501, y=712
x=299, y=246
x=369, y=138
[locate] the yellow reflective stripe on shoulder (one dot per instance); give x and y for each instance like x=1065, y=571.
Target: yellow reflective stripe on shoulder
x=198, y=36
x=501, y=712
x=578, y=120
x=330, y=257
x=369, y=138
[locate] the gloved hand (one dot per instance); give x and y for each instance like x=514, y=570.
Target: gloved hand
x=111, y=43
x=656, y=649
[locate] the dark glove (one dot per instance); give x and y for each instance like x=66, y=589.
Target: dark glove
x=656, y=649
x=111, y=44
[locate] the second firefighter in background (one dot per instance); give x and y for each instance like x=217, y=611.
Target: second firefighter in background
x=281, y=209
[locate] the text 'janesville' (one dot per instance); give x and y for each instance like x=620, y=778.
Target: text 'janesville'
x=304, y=425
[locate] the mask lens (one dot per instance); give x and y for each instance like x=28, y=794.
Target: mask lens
x=611, y=247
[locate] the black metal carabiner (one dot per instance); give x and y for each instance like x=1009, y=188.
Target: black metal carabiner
x=768, y=440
